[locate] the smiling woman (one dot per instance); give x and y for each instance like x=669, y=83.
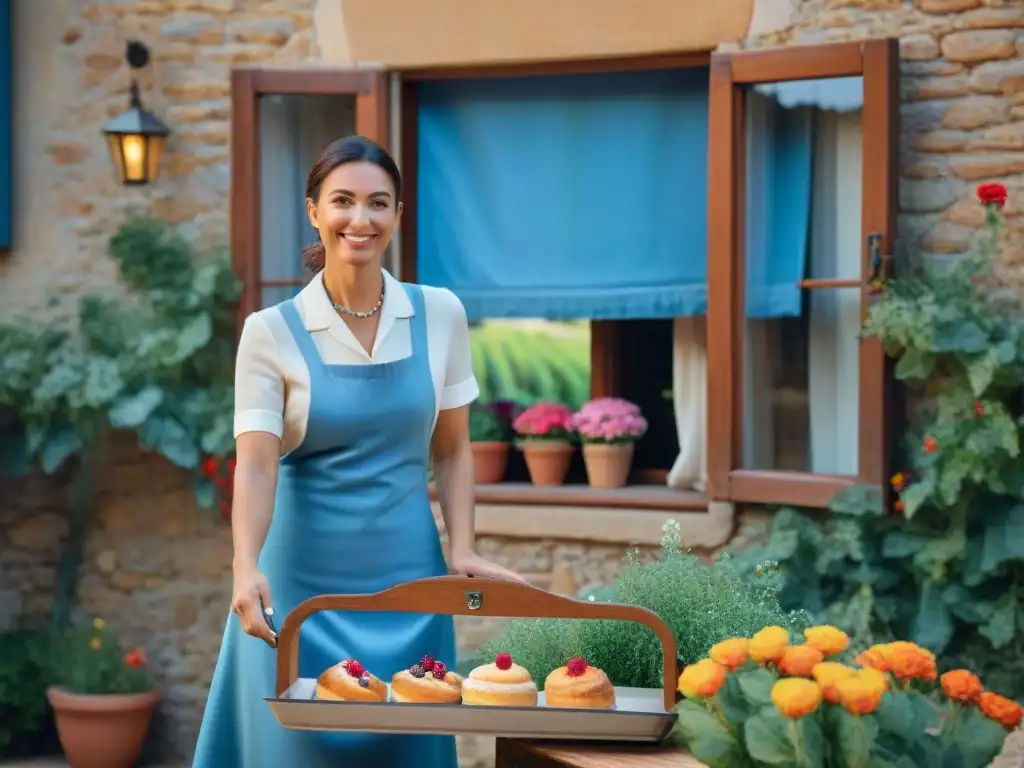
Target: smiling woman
x=342, y=394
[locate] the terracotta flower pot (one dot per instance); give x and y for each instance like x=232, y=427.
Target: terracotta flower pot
x=608, y=464
x=102, y=730
x=547, y=460
x=490, y=459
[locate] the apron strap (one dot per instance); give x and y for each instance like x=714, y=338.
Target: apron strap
x=418, y=327
x=302, y=336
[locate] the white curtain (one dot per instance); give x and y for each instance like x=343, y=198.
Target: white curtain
x=834, y=318
x=293, y=132
x=835, y=314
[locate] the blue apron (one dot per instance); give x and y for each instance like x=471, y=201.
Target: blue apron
x=351, y=515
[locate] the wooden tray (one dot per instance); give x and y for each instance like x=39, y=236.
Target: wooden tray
x=641, y=714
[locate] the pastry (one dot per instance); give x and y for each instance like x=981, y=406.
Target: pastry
x=428, y=682
x=579, y=685
x=349, y=681
x=500, y=684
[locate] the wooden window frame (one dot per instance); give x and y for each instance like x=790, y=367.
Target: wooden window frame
x=369, y=87
x=877, y=61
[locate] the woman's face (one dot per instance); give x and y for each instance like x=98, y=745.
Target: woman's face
x=357, y=213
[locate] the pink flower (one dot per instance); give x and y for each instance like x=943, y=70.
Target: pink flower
x=609, y=420
x=544, y=420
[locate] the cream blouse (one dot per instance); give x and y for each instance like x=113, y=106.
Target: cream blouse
x=272, y=380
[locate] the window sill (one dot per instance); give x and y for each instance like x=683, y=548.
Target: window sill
x=631, y=516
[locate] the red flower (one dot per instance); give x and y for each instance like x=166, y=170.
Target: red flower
x=992, y=193
x=930, y=444
x=210, y=467
x=979, y=408
x=898, y=506
x=135, y=659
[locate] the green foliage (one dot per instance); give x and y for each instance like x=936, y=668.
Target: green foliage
x=949, y=572
x=526, y=364
x=90, y=660
x=486, y=424
x=24, y=677
x=157, y=361
x=701, y=602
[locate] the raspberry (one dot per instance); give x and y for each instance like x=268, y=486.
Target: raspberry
x=355, y=669
x=417, y=671
x=577, y=667
x=503, y=661
x=427, y=662
x=440, y=670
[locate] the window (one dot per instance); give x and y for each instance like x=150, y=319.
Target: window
x=736, y=329
x=280, y=122
x=820, y=424
x=6, y=120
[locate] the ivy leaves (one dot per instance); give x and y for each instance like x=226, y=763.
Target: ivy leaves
x=156, y=361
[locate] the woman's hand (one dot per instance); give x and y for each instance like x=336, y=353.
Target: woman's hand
x=251, y=596
x=471, y=564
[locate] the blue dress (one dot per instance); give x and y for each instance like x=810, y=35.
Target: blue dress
x=352, y=515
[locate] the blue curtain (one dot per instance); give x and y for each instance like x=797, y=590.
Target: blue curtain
x=584, y=196
x=6, y=156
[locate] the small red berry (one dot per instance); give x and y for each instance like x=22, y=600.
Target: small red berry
x=930, y=444
x=577, y=667
x=979, y=408
x=898, y=506
x=355, y=669
x=427, y=662
x=440, y=670
x=503, y=661
x=210, y=467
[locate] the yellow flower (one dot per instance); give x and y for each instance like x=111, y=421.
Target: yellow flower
x=800, y=660
x=860, y=694
x=827, y=673
x=874, y=657
x=702, y=680
x=769, y=644
x=99, y=623
x=95, y=644
x=827, y=639
x=795, y=697
x=731, y=653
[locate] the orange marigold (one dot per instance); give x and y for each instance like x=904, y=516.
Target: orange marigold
x=827, y=639
x=961, y=685
x=861, y=693
x=827, y=673
x=909, y=661
x=874, y=657
x=795, y=697
x=731, y=653
x=800, y=660
x=768, y=645
x=1004, y=711
x=702, y=680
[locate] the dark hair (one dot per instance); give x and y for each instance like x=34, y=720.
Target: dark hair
x=351, y=149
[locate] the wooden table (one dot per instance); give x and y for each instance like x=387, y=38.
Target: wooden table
x=514, y=753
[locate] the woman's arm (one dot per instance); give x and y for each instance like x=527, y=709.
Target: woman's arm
x=453, y=477
x=257, y=455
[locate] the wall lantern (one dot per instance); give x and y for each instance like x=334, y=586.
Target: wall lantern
x=136, y=137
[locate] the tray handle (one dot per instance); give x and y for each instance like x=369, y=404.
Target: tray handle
x=470, y=596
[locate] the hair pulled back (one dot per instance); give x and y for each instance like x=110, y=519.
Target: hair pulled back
x=351, y=149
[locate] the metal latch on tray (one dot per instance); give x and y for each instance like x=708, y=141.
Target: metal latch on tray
x=474, y=600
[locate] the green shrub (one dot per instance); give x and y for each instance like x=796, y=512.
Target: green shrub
x=701, y=602
x=26, y=727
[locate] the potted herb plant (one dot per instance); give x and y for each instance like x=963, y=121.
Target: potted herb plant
x=103, y=698
x=544, y=435
x=608, y=428
x=489, y=434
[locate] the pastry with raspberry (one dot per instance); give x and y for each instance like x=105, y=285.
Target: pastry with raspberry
x=502, y=683
x=429, y=682
x=580, y=686
x=348, y=680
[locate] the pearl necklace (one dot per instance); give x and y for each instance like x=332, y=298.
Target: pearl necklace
x=351, y=312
